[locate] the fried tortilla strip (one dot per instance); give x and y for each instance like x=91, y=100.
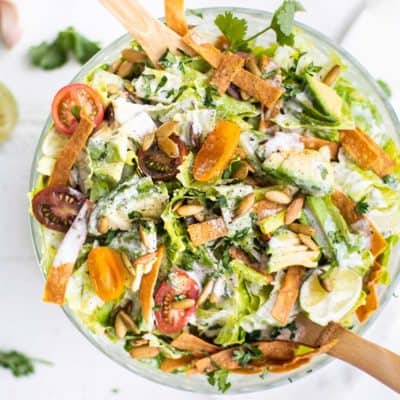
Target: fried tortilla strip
x=365, y=152
x=371, y=301
x=147, y=286
x=204, y=232
x=303, y=359
x=227, y=69
x=67, y=254
x=199, y=347
x=314, y=143
x=253, y=85
x=288, y=293
x=69, y=154
x=347, y=208
x=175, y=16
x=172, y=364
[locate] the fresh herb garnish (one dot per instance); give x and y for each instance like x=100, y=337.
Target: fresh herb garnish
x=234, y=29
x=270, y=74
x=76, y=111
x=276, y=330
x=246, y=353
x=390, y=180
x=19, y=363
x=219, y=379
x=196, y=13
x=385, y=87
x=162, y=83
x=55, y=54
x=362, y=206
x=211, y=91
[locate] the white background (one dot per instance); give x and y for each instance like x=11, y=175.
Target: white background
x=80, y=372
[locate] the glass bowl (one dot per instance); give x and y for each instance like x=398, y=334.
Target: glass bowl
x=257, y=20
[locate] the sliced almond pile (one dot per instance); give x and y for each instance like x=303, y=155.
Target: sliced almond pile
x=245, y=205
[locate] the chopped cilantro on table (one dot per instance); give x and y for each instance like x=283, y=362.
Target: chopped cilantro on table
x=18, y=363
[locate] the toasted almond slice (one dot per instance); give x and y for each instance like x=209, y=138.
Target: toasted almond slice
x=120, y=329
x=205, y=293
x=277, y=196
x=294, y=210
x=265, y=208
x=139, y=342
x=148, y=141
x=302, y=228
x=245, y=205
x=307, y=240
x=177, y=205
x=145, y=352
x=125, y=69
x=189, y=210
x=134, y=56
x=332, y=75
x=113, y=68
x=146, y=258
x=166, y=129
x=103, y=225
x=127, y=263
x=183, y=304
x=169, y=147
x=143, y=237
x=137, y=279
x=128, y=322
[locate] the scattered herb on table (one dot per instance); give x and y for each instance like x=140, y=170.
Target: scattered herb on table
x=20, y=364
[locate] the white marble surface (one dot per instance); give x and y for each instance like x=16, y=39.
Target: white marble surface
x=80, y=371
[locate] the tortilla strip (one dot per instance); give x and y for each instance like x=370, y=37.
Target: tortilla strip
x=287, y=295
x=346, y=207
x=300, y=360
x=172, y=364
x=69, y=154
x=57, y=282
x=175, y=16
x=204, y=232
x=365, y=152
x=253, y=85
x=198, y=347
x=147, y=286
x=227, y=69
x=371, y=301
x=314, y=143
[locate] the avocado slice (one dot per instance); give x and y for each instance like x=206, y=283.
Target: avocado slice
x=326, y=99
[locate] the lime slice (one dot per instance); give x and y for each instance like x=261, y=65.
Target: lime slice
x=322, y=306
x=8, y=112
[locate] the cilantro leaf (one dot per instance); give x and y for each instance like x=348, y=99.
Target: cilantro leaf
x=196, y=13
x=283, y=21
x=246, y=353
x=234, y=29
x=385, y=87
x=19, y=364
x=219, y=379
x=47, y=56
x=362, y=206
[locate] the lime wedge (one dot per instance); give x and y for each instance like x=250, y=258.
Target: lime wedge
x=322, y=306
x=8, y=112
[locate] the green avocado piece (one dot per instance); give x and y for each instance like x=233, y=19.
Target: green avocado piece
x=270, y=224
x=326, y=99
x=308, y=169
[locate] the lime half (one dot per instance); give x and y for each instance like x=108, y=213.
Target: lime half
x=322, y=306
x=8, y=112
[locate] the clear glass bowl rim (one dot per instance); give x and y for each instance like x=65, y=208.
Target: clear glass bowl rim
x=385, y=297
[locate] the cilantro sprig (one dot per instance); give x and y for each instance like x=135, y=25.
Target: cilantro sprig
x=18, y=363
x=219, y=379
x=362, y=206
x=51, y=55
x=247, y=353
x=235, y=29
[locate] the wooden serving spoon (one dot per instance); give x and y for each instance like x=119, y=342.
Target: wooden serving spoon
x=382, y=364
x=375, y=360
x=153, y=35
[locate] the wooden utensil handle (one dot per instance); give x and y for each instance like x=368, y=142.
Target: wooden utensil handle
x=375, y=360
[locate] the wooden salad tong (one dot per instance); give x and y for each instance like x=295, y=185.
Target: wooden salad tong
x=382, y=364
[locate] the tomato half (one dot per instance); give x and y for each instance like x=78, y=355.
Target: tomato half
x=169, y=320
x=57, y=206
x=107, y=273
x=73, y=101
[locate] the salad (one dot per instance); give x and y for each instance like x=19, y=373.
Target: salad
x=193, y=209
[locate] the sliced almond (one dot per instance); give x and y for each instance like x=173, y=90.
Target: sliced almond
x=128, y=322
x=277, y=196
x=115, y=65
x=143, y=237
x=183, y=304
x=169, y=147
x=301, y=228
x=103, y=225
x=294, y=210
x=137, y=279
x=177, y=205
x=166, y=129
x=125, y=69
x=245, y=205
x=307, y=240
x=145, y=352
x=127, y=262
x=148, y=141
x=139, y=342
x=145, y=258
x=120, y=329
x=189, y=210
x=332, y=75
x=134, y=56
x=207, y=290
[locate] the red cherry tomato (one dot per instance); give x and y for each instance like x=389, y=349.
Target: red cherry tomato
x=170, y=321
x=57, y=206
x=72, y=101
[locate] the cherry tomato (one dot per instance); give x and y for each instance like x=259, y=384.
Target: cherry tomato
x=72, y=101
x=107, y=273
x=156, y=164
x=169, y=320
x=57, y=206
